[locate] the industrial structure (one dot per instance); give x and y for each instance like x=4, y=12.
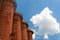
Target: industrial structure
x=12, y=25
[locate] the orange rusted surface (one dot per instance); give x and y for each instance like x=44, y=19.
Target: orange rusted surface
x=12, y=26
x=16, y=28
x=29, y=32
x=6, y=16
x=24, y=31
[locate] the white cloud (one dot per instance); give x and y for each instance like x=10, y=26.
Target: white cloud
x=45, y=36
x=33, y=36
x=45, y=22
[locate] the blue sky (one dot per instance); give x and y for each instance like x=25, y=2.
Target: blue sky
x=28, y=8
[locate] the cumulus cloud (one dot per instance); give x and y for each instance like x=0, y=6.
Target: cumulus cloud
x=33, y=36
x=45, y=23
x=45, y=36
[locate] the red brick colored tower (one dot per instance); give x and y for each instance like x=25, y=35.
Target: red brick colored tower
x=16, y=28
x=6, y=16
x=12, y=26
x=24, y=30
x=30, y=34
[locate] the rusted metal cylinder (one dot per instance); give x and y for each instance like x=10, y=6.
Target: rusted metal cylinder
x=16, y=28
x=6, y=16
x=24, y=31
x=29, y=32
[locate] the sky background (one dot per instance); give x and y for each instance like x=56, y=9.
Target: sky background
x=28, y=8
